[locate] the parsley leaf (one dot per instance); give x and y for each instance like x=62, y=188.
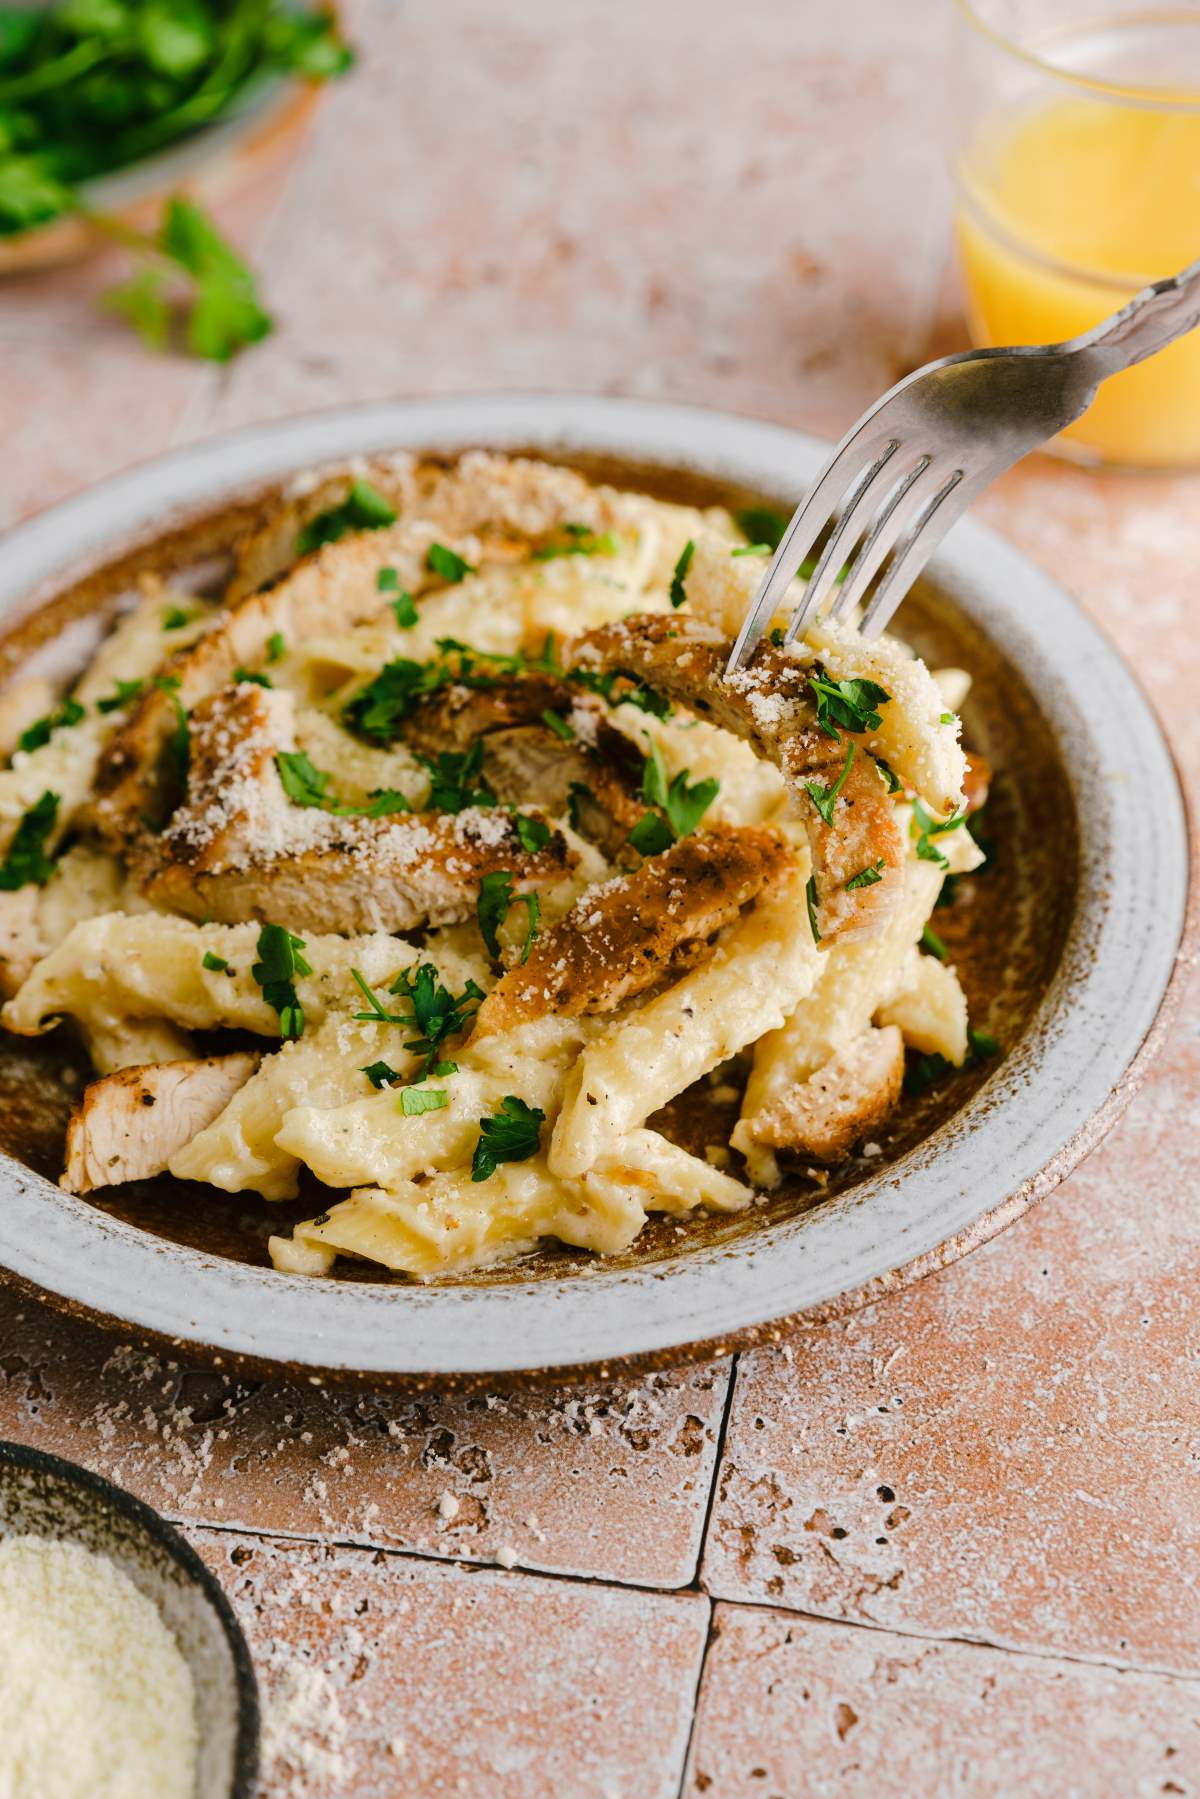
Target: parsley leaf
x=214, y=964
x=387, y=580
x=225, y=311
x=534, y=833
x=308, y=786
x=39, y=733
x=510, y=1135
x=894, y=785
x=825, y=798
x=247, y=675
x=363, y=509
x=934, y=944
x=275, y=646
x=27, y=863
x=651, y=835
x=380, y=1073
x=581, y=540
x=684, y=805
x=378, y=709
x=924, y=829
x=559, y=725
x=456, y=781
x=452, y=567
x=436, y=1014
x=678, y=593
x=175, y=618
x=761, y=525
x=577, y=793
x=125, y=691
x=415, y=1100
x=636, y=693
x=947, y=718
x=405, y=611
x=810, y=900
x=851, y=704
x=982, y=1044
x=866, y=877
x=279, y=962
x=924, y=1072
x=492, y=908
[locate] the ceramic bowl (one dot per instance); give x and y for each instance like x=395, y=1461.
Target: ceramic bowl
x=1066, y=954
x=41, y=1495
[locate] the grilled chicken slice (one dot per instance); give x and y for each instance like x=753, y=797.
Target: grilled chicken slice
x=769, y=704
x=847, y=1098
x=238, y=848
x=129, y=1125
x=625, y=936
x=455, y=716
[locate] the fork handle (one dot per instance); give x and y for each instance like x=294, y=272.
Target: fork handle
x=1152, y=320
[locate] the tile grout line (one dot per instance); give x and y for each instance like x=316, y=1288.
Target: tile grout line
x=718, y=1458
x=986, y=1643
x=709, y=1639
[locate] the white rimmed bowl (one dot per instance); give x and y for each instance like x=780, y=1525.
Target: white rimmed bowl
x=1083, y=1036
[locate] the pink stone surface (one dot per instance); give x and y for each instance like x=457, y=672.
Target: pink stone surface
x=605, y=1481
x=789, y=1706
x=380, y=1674
x=741, y=207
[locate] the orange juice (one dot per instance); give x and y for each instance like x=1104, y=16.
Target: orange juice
x=1067, y=207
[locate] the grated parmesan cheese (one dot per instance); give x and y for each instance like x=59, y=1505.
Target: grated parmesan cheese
x=96, y=1700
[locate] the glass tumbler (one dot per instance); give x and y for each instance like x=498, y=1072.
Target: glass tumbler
x=1077, y=182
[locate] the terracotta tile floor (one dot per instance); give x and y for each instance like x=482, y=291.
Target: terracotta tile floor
x=742, y=207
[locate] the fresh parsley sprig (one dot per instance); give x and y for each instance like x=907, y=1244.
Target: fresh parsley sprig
x=866, y=877
x=825, y=798
x=279, y=963
x=363, y=509
x=436, y=1013
x=511, y=1134
x=26, y=863
x=852, y=704
x=924, y=829
x=492, y=908
x=188, y=274
x=42, y=729
x=457, y=781
x=578, y=540
x=308, y=786
x=684, y=805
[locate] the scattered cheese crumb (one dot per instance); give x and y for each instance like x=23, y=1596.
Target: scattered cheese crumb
x=448, y=1506
x=506, y=1556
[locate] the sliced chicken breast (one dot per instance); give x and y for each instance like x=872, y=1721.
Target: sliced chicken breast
x=127, y=1126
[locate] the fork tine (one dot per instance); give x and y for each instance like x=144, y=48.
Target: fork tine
x=846, y=530
x=918, y=545
x=806, y=525
x=890, y=523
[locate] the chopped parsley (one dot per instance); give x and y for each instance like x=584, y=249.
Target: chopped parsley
x=279, y=962
x=275, y=646
x=762, y=526
x=578, y=540
x=244, y=675
x=380, y=1074
x=810, y=900
x=577, y=792
x=637, y=693
x=456, y=781
x=559, y=725
x=415, y=1100
x=893, y=783
x=363, y=509
x=214, y=964
x=947, y=718
x=851, y=704
x=651, y=835
x=492, y=908
x=377, y=710
x=40, y=731
x=924, y=829
x=825, y=798
x=934, y=944
x=125, y=691
x=678, y=592
x=405, y=610
x=388, y=580
x=924, y=1072
x=510, y=1135
x=179, y=742
x=27, y=864
x=436, y=1014
x=533, y=832
x=684, y=805
x=306, y=785
x=866, y=877
x=752, y=549
x=451, y=567
x=175, y=618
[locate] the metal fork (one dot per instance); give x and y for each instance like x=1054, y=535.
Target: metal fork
x=915, y=461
